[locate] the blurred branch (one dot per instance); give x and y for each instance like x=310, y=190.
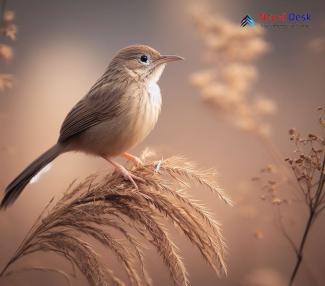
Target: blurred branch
x=285, y=232
x=3, y=10
x=307, y=166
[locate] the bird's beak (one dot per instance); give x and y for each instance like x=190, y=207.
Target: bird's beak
x=168, y=58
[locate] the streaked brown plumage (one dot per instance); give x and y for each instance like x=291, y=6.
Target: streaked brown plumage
x=118, y=112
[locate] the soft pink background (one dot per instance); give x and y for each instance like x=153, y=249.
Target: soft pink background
x=64, y=46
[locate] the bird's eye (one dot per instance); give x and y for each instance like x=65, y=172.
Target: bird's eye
x=144, y=59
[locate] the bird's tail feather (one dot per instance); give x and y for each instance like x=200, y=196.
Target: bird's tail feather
x=15, y=188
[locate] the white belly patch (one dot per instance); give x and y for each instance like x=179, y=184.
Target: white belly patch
x=154, y=93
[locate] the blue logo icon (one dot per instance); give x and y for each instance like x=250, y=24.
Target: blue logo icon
x=247, y=20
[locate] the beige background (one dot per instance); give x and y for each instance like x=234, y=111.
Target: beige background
x=64, y=46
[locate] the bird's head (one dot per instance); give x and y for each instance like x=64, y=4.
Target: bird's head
x=141, y=62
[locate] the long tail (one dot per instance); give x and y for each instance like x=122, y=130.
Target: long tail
x=15, y=188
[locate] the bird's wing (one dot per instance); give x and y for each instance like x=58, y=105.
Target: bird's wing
x=98, y=106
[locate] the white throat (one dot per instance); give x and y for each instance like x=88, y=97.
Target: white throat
x=155, y=76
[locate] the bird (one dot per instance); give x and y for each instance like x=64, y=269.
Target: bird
x=117, y=113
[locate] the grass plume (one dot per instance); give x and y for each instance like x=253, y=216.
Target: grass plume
x=100, y=204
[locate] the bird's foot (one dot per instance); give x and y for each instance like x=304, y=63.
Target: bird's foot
x=134, y=159
x=129, y=176
x=126, y=174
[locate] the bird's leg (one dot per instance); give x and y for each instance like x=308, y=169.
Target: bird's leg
x=126, y=174
x=135, y=160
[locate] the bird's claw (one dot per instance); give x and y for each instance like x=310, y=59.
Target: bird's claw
x=131, y=177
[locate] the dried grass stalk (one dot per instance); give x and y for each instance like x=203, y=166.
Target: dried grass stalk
x=101, y=203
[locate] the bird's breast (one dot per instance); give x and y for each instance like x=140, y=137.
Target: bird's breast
x=147, y=111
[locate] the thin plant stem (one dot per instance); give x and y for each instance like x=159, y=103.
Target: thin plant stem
x=312, y=216
x=301, y=248
x=7, y=266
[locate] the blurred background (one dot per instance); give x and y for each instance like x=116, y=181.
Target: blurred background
x=62, y=47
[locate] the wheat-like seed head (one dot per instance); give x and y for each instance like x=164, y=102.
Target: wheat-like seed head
x=102, y=203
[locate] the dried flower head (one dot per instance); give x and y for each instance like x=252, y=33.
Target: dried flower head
x=6, y=81
x=9, y=30
x=8, y=16
x=6, y=52
x=226, y=86
x=101, y=204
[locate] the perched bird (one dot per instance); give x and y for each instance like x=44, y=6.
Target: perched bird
x=118, y=112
